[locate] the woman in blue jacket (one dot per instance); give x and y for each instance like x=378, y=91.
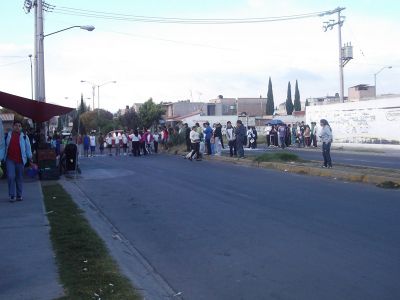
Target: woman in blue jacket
x=16, y=152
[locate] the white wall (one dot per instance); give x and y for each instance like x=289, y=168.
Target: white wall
x=192, y=120
x=365, y=122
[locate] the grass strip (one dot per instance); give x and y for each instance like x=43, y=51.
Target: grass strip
x=86, y=269
x=277, y=157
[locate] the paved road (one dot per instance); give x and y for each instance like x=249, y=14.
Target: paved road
x=220, y=231
x=379, y=160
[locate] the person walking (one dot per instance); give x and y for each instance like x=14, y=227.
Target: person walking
x=240, y=133
x=16, y=152
x=231, y=137
x=326, y=138
x=195, y=139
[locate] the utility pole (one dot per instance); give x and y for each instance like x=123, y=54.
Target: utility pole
x=346, y=52
x=340, y=24
x=40, y=93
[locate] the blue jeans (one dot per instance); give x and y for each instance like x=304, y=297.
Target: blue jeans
x=326, y=153
x=15, y=177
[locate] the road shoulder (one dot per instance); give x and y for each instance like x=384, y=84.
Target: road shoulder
x=130, y=261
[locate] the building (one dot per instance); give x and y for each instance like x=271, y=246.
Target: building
x=361, y=92
x=237, y=106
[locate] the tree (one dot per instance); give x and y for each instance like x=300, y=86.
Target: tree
x=130, y=119
x=81, y=110
x=90, y=120
x=289, y=102
x=297, y=103
x=150, y=113
x=270, y=99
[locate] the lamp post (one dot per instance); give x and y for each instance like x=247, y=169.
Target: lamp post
x=40, y=94
x=386, y=67
x=98, y=91
x=30, y=58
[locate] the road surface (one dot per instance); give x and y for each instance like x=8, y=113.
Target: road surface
x=221, y=231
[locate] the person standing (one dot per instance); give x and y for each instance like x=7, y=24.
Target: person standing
x=267, y=132
x=101, y=143
x=16, y=152
x=136, y=143
x=326, y=138
x=195, y=139
x=314, y=134
x=218, y=139
x=124, y=142
x=240, y=133
x=307, y=136
x=156, y=137
x=86, y=145
x=109, y=143
x=282, y=135
x=230, y=135
x=207, y=137
x=187, y=137
x=92, y=144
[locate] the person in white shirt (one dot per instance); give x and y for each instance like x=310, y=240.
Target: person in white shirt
x=195, y=139
x=135, y=137
x=109, y=143
x=326, y=137
x=124, y=139
x=118, y=139
x=156, y=137
x=230, y=135
x=92, y=139
x=267, y=134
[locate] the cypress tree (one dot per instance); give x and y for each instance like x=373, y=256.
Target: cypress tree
x=297, y=103
x=270, y=99
x=289, y=102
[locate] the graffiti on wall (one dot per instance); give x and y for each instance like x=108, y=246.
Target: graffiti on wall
x=350, y=124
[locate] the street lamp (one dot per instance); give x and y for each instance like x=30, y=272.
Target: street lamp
x=84, y=27
x=98, y=91
x=30, y=58
x=386, y=67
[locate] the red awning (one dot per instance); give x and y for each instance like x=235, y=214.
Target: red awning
x=35, y=110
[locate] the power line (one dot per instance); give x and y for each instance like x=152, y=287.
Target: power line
x=151, y=19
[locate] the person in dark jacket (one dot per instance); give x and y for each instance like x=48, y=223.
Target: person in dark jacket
x=240, y=133
x=187, y=137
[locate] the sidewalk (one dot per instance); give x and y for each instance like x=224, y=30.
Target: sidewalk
x=27, y=264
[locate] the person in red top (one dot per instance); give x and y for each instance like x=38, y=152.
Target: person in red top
x=16, y=153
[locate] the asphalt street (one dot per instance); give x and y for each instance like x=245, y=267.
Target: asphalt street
x=221, y=231
x=377, y=160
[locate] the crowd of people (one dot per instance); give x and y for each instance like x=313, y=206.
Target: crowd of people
x=298, y=134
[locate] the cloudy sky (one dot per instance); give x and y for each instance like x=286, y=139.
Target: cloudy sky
x=179, y=61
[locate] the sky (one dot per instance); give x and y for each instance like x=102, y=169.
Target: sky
x=171, y=62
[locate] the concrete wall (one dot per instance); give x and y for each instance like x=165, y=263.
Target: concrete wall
x=363, y=122
x=211, y=119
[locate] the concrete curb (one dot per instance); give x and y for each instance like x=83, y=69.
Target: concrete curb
x=346, y=173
